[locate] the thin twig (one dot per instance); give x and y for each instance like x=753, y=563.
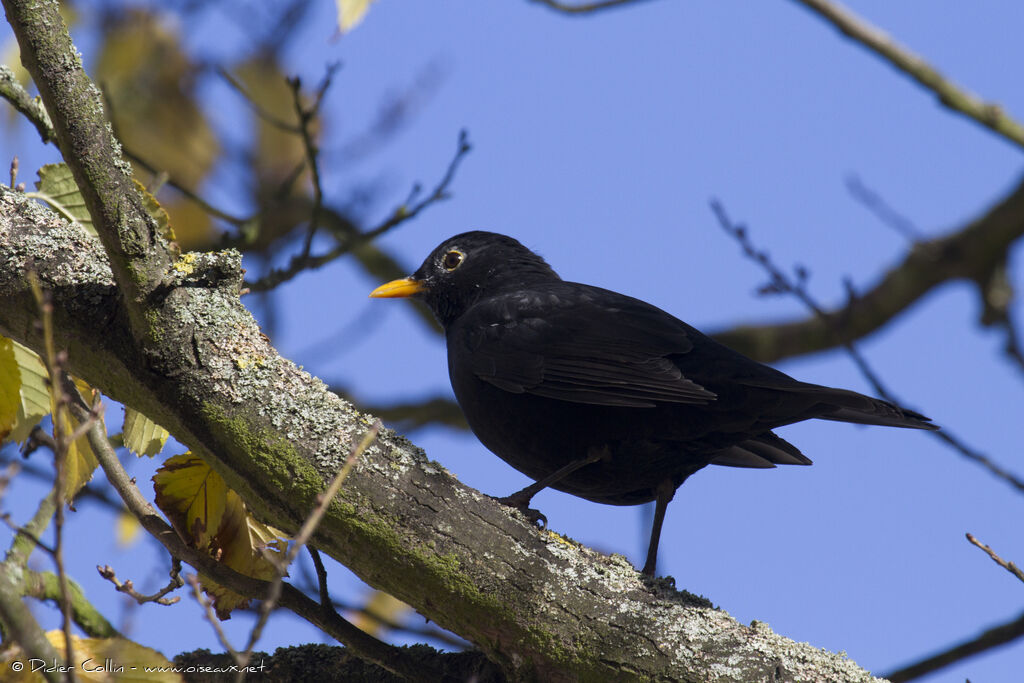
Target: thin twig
x=993, y=637
x=63, y=442
x=206, y=206
x=307, y=116
x=969, y=252
x=392, y=625
x=321, y=577
x=88, y=492
x=305, y=533
x=780, y=282
x=193, y=582
x=154, y=171
x=400, y=215
x=7, y=475
x=1008, y=566
x=30, y=107
x=24, y=531
x=256, y=106
x=950, y=94
x=885, y=213
x=128, y=588
x=586, y=7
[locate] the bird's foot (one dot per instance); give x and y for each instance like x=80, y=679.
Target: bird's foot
x=535, y=517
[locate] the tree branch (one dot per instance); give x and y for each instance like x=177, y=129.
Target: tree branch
x=584, y=7
x=993, y=637
x=949, y=93
x=46, y=586
x=30, y=107
x=970, y=252
x=401, y=523
x=139, y=256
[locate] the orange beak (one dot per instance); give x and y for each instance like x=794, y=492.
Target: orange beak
x=398, y=289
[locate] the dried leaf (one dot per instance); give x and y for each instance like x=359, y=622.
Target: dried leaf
x=241, y=542
x=192, y=496
x=214, y=519
x=98, y=660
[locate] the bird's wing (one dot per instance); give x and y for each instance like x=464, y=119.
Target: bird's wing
x=585, y=346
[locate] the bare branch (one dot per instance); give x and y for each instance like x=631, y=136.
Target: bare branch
x=1008, y=566
x=586, y=7
x=993, y=637
x=949, y=93
x=967, y=253
x=30, y=107
x=403, y=213
x=128, y=588
x=889, y=216
x=781, y=282
x=307, y=116
x=260, y=111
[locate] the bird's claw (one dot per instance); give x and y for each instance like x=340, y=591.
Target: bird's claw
x=534, y=516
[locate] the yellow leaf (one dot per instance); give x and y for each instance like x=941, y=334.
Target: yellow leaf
x=56, y=186
x=150, y=81
x=34, y=392
x=214, y=518
x=380, y=610
x=127, y=529
x=97, y=660
x=351, y=12
x=192, y=496
x=278, y=152
x=141, y=435
x=10, y=385
x=80, y=464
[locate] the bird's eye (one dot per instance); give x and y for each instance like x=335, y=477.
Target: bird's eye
x=452, y=260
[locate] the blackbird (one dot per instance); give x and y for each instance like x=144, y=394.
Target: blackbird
x=601, y=395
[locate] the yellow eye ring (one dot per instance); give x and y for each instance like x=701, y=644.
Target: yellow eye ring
x=452, y=260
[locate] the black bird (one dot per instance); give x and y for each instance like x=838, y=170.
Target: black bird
x=602, y=395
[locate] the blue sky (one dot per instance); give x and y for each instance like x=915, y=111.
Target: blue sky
x=598, y=142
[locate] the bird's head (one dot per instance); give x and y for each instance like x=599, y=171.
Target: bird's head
x=466, y=267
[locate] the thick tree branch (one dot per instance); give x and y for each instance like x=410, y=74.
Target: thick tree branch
x=969, y=253
x=401, y=522
x=138, y=253
x=950, y=94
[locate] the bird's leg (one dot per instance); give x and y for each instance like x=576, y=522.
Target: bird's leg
x=521, y=499
x=666, y=490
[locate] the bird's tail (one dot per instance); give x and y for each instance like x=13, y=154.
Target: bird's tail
x=849, y=406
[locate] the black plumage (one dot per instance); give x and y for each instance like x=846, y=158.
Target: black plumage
x=602, y=395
